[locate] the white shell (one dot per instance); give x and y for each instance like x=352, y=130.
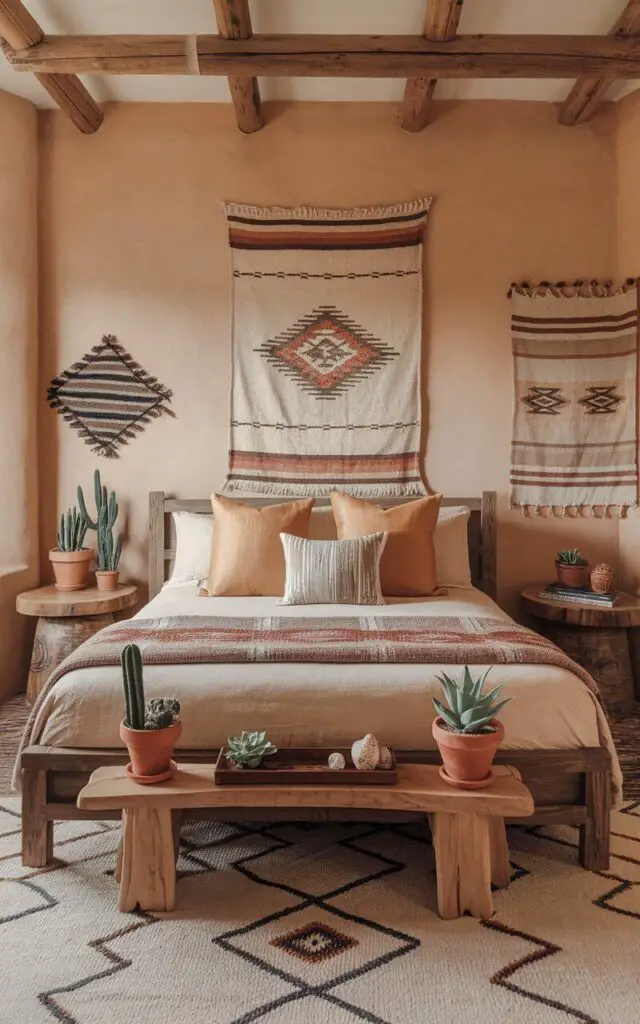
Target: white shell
x=365, y=753
x=337, y=761
x=386, y=757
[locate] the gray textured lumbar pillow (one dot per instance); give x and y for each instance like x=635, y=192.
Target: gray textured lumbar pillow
x=333, y=571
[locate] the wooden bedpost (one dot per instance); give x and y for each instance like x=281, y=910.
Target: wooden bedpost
x=596, y=831
x=37, y=829
x=488, y=544
x=156, y=542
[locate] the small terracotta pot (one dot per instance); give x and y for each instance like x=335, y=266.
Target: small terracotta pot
x=107, y=579
x=150, y=750
x=71, y=568
x=572, y=575
x=602, y=578
x=467, y=757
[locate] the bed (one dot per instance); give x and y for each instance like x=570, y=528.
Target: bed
x=557, y=734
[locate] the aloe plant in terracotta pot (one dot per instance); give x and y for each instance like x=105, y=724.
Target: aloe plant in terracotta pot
x=467, y=730
x=571, y=568
x=70, y=559
x=150, y=730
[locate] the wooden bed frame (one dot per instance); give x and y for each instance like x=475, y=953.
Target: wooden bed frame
x=569, y=786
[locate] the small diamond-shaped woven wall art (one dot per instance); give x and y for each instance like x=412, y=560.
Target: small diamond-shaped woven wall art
x=108, y=397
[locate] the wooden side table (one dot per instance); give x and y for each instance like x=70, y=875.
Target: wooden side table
x=65, y=620
x=597, y=638
x=468, y=828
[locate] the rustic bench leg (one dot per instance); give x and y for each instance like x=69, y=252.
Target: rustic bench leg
x=148, y=869
x=500, y=866
x=596, y=832
x=117, y=874
x=463, y=864
x=37, y=829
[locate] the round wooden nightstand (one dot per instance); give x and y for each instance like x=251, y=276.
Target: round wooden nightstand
x=65, y=620
x=597, y=638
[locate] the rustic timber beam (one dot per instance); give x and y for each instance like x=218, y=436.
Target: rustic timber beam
x=358, y=56
x=234, y=22
x=21, y=31
x=441, y=22
x=587, y=92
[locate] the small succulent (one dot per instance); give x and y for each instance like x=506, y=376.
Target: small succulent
x=156, y=713
x=469, y=709
x=571, y=556
x=72, y=531
x=161, y=712
x=248, y=749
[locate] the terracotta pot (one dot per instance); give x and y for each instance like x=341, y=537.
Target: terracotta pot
x=150, y=750
x=572, y=575
x=602, y=578
x=71, y=568
x=107, y=579
x=467, y=757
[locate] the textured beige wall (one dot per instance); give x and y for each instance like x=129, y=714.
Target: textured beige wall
x=18, y=358
x=133, y=243
x=628, y=243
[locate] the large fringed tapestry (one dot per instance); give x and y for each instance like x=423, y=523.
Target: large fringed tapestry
x=575, y=439
x=327, y=327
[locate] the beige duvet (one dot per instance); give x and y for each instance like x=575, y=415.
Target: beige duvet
x=315, y=704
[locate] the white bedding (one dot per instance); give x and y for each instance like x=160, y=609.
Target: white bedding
x=318, y=704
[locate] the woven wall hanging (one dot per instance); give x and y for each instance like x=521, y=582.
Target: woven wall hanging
x=108, y=397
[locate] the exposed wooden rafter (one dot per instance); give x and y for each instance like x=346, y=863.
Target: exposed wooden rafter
x=441, y=22
x=490, y=56
x=587, y=92
x=234, y=22
x=21, y=31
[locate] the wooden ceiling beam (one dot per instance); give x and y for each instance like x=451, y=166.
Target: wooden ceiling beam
x=587, y=92
x=234, y=22
x=441, y=22
x=21, y=31
x=508, y=56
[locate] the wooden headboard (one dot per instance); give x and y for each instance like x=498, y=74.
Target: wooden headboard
x=481, y=529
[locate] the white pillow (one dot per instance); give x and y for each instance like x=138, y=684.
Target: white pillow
x=193, y=548
x=452, y=547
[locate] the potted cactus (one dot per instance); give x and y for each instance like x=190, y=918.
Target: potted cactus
x=150, y=730
x=248, y=749
x=467, y=731
x=70, y=559
x=571, y=568
x=108, y=551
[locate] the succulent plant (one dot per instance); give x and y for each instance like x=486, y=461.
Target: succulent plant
x=248, y=749
x=571, y=556
x=469, y=709
x=72, y=531
x=106, y=515
x=157, y=713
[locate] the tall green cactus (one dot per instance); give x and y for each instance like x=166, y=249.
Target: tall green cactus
x=106, y=515
x=72, y=531
x=131, y=661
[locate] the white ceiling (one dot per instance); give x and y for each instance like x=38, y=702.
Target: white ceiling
x=308, y=16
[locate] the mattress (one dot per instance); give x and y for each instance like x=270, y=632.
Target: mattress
x=320, y=704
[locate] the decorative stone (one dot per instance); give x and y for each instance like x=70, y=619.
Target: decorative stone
x=386, y=758
x=337, y=761
x=365, y=753
x=602, y=578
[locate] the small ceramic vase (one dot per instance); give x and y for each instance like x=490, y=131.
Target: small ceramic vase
x=386, y=758
x=602, y=578
x=337, y=761
x=365, y=753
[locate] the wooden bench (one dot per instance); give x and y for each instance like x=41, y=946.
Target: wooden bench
x=468, y=829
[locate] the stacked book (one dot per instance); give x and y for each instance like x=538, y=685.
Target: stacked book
x=578, y=595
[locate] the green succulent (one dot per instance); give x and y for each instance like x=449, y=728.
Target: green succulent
x=248, y=749
x=161, y=712
x=72, y=531
x=571, y=556
x=469, y=709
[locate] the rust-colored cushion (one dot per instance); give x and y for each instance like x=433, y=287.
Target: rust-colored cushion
x=408, y=566
x=246, y=551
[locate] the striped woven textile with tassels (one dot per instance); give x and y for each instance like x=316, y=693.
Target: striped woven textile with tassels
x=108, y=397
x=575, y=432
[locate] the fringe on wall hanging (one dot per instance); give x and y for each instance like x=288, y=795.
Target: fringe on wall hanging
x=575, y=431
x=108, y=397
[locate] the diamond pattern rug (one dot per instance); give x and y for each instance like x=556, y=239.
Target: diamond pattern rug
x=286, y=924
x=108, y=397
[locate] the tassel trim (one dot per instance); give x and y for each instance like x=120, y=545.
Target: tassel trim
x=304, y=490
x=572, y=290
x=267, y=213
x=574, y=511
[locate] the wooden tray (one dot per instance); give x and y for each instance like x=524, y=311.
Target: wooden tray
x=303, y=766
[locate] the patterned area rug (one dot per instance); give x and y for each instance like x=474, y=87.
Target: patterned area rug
x=282, y=924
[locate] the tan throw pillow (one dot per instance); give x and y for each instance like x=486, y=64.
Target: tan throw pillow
x=333, y=571
x=246, y=552
x=408, y=566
